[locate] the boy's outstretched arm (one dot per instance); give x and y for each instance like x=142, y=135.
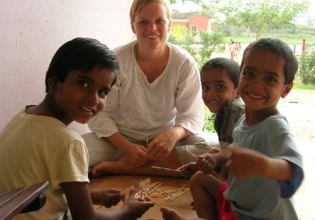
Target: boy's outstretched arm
x=108, y=197
x=80, y=204
x=245, y=163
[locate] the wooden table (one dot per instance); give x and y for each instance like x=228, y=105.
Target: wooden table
x=181, y=203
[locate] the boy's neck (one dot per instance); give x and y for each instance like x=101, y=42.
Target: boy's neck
x=255, y=117
x=48, y=107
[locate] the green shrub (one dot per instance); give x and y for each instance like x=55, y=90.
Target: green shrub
x=200, y=44
x=209, y=121
x=307, y=66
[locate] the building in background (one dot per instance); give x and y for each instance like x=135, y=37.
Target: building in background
x=193, y=21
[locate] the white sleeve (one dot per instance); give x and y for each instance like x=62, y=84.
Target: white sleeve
x=189, y=103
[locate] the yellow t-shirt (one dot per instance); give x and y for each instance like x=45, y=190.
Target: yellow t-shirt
x=39, y=148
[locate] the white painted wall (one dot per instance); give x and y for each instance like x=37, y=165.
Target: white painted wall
x=32, y=30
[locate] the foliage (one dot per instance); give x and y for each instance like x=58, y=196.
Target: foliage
x=210, y=42
x=199, y=44
x=303, y=86
x=253, y=16
x=184, y=38
x=209, y=120
x=307, y=66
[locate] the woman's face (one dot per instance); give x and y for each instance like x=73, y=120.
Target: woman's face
x=151, y=25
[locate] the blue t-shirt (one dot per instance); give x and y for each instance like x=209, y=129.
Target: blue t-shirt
x=262, y=197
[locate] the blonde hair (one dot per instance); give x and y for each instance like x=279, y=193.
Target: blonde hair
x=138, y=5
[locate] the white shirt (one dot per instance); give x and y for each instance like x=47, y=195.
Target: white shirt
x=139, y=109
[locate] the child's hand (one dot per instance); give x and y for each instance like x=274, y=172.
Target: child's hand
x=245, y=163
x=107, y=197
x=170, y=214
x=135, y=208
x=188, y=170
x=206, y=163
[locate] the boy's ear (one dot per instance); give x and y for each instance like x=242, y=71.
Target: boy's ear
x=52, y=83
x=286, y=90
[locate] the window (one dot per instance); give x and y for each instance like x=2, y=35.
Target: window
x=194, y=28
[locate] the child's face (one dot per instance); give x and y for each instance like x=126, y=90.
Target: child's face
x=151, y=25
x=217, y=88
x=262, y=80
x=82, y=95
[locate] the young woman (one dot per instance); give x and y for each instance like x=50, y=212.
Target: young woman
x=155, y=109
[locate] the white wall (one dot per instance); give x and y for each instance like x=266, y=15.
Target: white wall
x=32, y=30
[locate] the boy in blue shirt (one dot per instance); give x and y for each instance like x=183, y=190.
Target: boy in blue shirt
x=264, y=162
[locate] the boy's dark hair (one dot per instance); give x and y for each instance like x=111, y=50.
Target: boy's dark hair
x=80, y=54
x=280, y=49
x=231, y=66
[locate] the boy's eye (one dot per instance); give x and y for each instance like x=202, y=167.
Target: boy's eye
x=271, y=79
x=205, y=88
x=84, y=84
x=220, y=87
x=247, y=73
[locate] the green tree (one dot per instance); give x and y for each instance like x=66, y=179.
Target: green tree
x=184, y=38
x=210, y=42
x=199, y=44
x=307, y=65
x=258, y=16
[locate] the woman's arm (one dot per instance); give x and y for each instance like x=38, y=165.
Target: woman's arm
x=189, y=103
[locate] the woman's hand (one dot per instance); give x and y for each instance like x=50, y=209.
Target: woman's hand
x=161, y=146
x=136, y=155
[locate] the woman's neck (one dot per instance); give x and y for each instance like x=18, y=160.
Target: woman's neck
x=152, y=63
x=151, y=55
